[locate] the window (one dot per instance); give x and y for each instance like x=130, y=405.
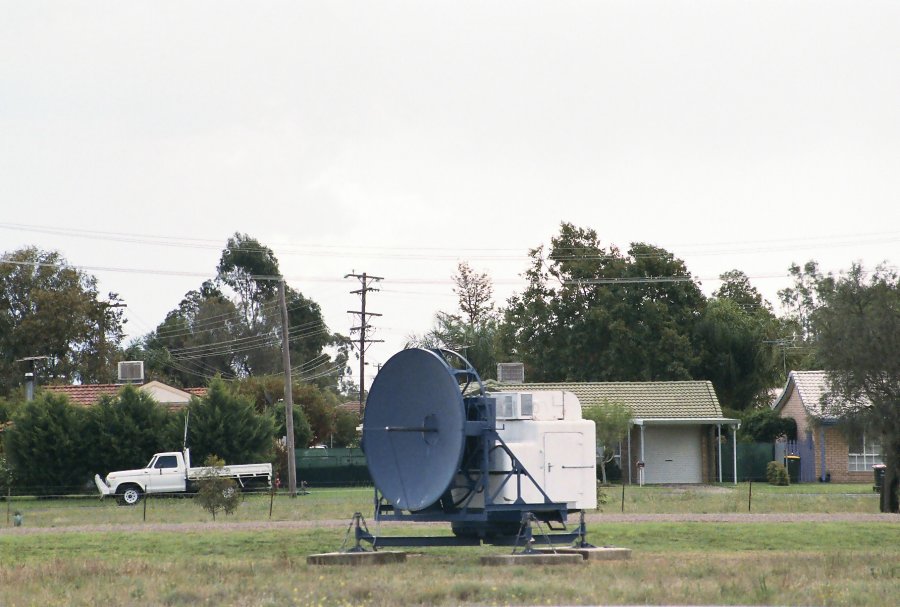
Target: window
x=864, y=452
x=166, y=461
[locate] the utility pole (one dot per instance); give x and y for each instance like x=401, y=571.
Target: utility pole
x=288, y=394
x=366, y=281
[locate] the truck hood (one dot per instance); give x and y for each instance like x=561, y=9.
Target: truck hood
x=124, y=473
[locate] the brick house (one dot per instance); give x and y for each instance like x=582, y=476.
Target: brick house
x=840, y=455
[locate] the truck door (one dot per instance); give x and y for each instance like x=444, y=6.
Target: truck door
x=166, y=475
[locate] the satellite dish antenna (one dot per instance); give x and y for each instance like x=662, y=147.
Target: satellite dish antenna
x=414, y=429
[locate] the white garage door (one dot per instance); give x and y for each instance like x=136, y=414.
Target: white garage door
x=672, y=454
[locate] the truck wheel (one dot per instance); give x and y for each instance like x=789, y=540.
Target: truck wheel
x=130, y=495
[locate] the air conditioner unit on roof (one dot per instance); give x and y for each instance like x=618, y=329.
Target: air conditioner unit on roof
x=131, y=371
x=511, y=373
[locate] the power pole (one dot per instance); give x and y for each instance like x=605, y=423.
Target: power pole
x=366, y=281
x=288, y=394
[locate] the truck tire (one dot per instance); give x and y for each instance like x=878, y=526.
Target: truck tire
x=129, y=495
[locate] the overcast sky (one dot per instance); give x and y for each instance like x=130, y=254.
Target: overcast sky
x=399, y=138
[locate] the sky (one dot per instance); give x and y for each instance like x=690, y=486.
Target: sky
x=401, y=138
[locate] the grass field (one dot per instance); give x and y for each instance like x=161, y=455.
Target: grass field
x=791, y=563
x=341, y=503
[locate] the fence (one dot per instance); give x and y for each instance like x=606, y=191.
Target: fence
x=752, y=459
x=332, y=467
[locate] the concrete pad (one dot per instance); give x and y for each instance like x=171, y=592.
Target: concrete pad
x=356, y=558
x=532, y=559
x=602, y=553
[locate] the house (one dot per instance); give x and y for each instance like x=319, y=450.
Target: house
x=676, y=427
x=89, y=394
x=837, y=454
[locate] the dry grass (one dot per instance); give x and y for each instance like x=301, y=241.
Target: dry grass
x=686, y=563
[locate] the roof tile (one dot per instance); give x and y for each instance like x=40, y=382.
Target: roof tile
x=647, y=400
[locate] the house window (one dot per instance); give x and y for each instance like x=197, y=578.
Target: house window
x=864, y=452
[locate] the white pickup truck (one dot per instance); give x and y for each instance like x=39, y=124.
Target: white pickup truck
x=171, y=472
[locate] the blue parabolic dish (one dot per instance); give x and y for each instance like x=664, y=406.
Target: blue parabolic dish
x=414, y=429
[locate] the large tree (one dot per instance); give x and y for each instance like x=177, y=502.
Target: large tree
x=592, y=313
x=857, y=323
x=738, y=337
x=195, y=341
x=50, y=309
x=232, y=327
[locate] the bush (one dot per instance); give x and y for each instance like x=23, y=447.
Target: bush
x=228, y=425
x=777, y=474
x=125, y=431
x=766, y=426
x=46, y=446
x=217, y=493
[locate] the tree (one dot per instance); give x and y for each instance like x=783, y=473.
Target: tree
x=592, y=313
x=125, y=431
x=765, y=425
x=227, y=425
x=612, y=421
x=858, y=328
x=738, y=352
x=736, y=287
x=216, y=492
x=345, y=428
x=46, y=445
x=478, y=343
x=50, y=309
x=302, y=432
x=197, y=340
x=474, y=292
x=210, y=334
x=251, y=270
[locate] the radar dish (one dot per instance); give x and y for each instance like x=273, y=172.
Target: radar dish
x=414, y=429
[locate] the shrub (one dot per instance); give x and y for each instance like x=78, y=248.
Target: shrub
x=46, y=446
x=217, y=493
x=777, y=474
x=229, y=426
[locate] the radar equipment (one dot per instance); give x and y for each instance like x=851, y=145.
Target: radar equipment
x=437, y=451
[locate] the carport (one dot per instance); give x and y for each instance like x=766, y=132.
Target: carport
x=670, y=450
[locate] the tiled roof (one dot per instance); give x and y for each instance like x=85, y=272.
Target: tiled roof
x=87, y=394
x=647, y=400
x=812, y=387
